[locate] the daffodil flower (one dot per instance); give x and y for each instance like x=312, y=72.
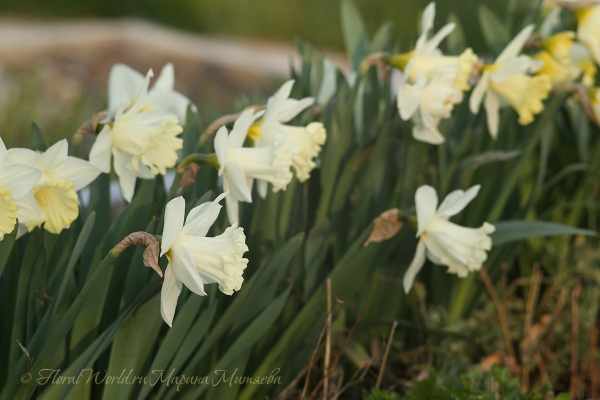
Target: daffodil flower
x=16, y=199
x=556, y=56
x=427, y=58
x=55, y=193
x=307, y=140
x=196, y=260
x=588, y=29
x=462, y=249
x=143, y=142
x=507, y=81
x=428, y=102
x=125, y=85
x=240, y=166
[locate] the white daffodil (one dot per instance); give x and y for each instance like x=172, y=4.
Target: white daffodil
x=196, y=260
x=239, y=165
x=506, y=81
x=125, y=85
x=581, y=58
x=556, y=56
x=462, y=249
x=142, y=140
x=55, y=193
x=16, y=199
x=588, y=29
x=427, y=58
x=428, y=102
x=307, y=140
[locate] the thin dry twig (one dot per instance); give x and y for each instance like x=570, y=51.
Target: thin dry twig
x=29, y=364
x=534, y=290
x=327, y=343
x=286, y=391
x=574, y=338
x=593, y=361
x=503, y=317
x=224, y=120
x=312, y=359
x=385, y=354
x=341, y=351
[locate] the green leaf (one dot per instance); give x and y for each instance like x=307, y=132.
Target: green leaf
x=456, y=40
x=6, y=246
x=248, y=337
x=38, y=142
x=355, y=34
x=510, y=231
x=495, y=32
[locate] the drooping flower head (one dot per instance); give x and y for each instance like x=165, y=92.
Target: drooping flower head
x=141, y=138
x=307, y=140
x=507, y=81
x=444, y=243
x=16, y=199
x=56, y=192
x=240, y=166
x=427, y=58
x=196, y=260
x=428, y=102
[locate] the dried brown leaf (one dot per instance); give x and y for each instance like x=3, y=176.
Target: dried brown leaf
x=189, y=174
x=151, y=245
x=385, y=227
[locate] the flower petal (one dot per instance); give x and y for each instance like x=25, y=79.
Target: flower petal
x=236, y=179
x=232, y=206
x=492, y=109
x=426, y=202
x=27, y=209
x=262, y=187
x=240, y=128
x=169, y=295
x=293, y=107
x=456, y=201
x=52, y=158
x=221, y=147
x=100, y=153
x=478, y=92
x=78, y=171
x=3, y=151
x=516, y=45
x=174, y=215
x=20, y=179
x=201, y=218
x=166, y=78
x=124, y=84
x=185, y=269
x=127, y=177
x=414, y=267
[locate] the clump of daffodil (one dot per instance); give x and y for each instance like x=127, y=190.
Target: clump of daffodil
x=141, y=138
x=462, y=249
x=307, y=140
x=240, y=166
x=196, y=260
x=428, y=102
x=427, y=58
x=56, y=191
x=16, y=199
x=507, y=81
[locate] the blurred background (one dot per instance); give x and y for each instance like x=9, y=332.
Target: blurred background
x=55, y=56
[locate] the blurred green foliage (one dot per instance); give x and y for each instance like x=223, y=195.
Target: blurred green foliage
x=315, y=21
